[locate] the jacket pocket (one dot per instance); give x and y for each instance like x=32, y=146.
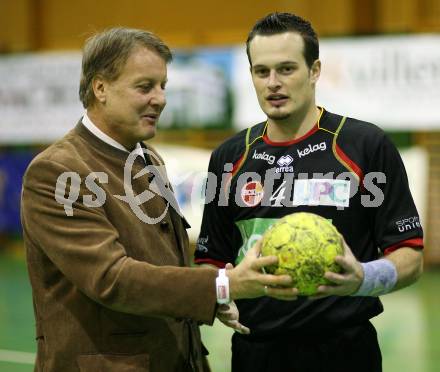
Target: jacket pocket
x=113, y=362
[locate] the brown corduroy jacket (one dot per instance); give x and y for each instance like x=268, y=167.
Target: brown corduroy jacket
x=110, y=292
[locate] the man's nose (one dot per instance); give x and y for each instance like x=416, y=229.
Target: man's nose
x=159, y=98
x=273, y=82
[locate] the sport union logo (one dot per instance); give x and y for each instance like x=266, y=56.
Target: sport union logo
x=252, y=193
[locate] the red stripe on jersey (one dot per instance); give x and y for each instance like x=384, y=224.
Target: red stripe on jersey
x=413, y=243
x=351, y=164
x=291, y=142
x=210, y=261
x=235, y=168
x=236, y=165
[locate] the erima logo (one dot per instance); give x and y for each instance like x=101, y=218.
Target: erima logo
x=263, y=156
x=284, y=161
x=309, y=149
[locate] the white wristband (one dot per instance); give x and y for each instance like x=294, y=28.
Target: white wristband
x=222, y=287
x=380, y=277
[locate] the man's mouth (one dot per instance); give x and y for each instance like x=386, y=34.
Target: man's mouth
x=151, y=117
x=277, y=99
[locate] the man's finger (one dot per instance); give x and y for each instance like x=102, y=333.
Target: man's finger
x=327, y=290
x=276, y=280
x=242, y=329
x=287, y=294
x=344, y=263
x=227, y=316
x=261, y=262
x=335, y=277
x=232, y=323
x=255, y=250
x=321, y=292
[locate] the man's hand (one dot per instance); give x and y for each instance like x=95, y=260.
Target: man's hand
x=347, y=281
x=247, y=280
x=228, y=315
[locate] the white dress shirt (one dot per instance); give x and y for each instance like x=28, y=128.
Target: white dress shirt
x=107, y=139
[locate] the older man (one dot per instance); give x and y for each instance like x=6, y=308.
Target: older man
x=106, y=244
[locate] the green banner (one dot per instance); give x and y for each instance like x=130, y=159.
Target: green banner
x=251, y=231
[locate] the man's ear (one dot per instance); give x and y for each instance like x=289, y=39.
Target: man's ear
x=315, y=71
x=99, y=86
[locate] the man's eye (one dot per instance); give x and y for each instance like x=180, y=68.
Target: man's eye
x=286, y=69
x=144, y=88
x=262, y=72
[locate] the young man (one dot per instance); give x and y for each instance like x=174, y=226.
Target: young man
x=304, y=158
x=106, y=244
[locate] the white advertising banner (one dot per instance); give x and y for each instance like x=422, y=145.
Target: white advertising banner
x=38, y=97
x=39, y=100
x=391, y=81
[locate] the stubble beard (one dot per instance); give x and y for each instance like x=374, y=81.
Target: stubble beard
x=278, y=116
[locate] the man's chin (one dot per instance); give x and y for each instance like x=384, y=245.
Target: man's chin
x=149, y=133
x=279, y=116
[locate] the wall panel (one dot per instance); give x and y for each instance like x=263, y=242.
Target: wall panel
x=397, y=16
x=16, y=25
x=196, y=22
x=54, y=25
x=429, y=16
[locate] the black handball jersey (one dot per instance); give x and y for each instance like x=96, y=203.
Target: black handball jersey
x=343, y=169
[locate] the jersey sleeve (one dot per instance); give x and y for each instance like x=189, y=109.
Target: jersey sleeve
x=395, y=220
x=214, y=245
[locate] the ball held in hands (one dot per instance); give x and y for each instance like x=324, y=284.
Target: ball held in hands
x=306, y=246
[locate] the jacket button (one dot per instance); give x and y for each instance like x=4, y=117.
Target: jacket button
x=164, y=225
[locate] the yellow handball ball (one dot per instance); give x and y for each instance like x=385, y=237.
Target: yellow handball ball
x=306, y=246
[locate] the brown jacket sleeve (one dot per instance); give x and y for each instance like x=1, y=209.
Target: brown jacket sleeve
x=85, y=248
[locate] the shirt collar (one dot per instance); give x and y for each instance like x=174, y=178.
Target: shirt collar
x=107, y=139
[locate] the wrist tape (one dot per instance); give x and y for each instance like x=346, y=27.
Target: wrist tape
x=380, y=277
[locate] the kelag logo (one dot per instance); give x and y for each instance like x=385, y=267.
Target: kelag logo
x=309, y=149
x=263, y=156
